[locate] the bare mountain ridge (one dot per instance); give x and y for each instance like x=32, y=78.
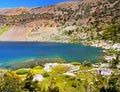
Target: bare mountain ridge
x=36, y=10
x=51, y=22
x=13, y=11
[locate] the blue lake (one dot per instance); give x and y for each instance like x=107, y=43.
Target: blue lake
x=21, y=51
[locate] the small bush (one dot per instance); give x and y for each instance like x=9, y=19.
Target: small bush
x=75, y=63
x=22, y=71
x=38, y=67
x=86, y=63
x=46, y=74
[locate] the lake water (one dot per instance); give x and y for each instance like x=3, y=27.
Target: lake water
x=21, y=51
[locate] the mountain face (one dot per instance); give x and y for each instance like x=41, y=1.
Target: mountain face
x=75, y=21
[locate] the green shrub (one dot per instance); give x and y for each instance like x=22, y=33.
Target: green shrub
x=87, y=63
x=38, y=67
x=4, y=28
x=46, y=74
x=112, y=32
x=22, y=71
x=10, y=82
x=75, y=63
x=30, y=85
x=55, y=89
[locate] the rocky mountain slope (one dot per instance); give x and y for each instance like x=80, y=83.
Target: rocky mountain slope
x=81, y=21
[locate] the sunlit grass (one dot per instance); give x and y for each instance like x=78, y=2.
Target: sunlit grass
x=4, y=28
x=37, y=70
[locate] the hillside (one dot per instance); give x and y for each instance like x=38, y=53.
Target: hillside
x=88, y=22
x=75, y=21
